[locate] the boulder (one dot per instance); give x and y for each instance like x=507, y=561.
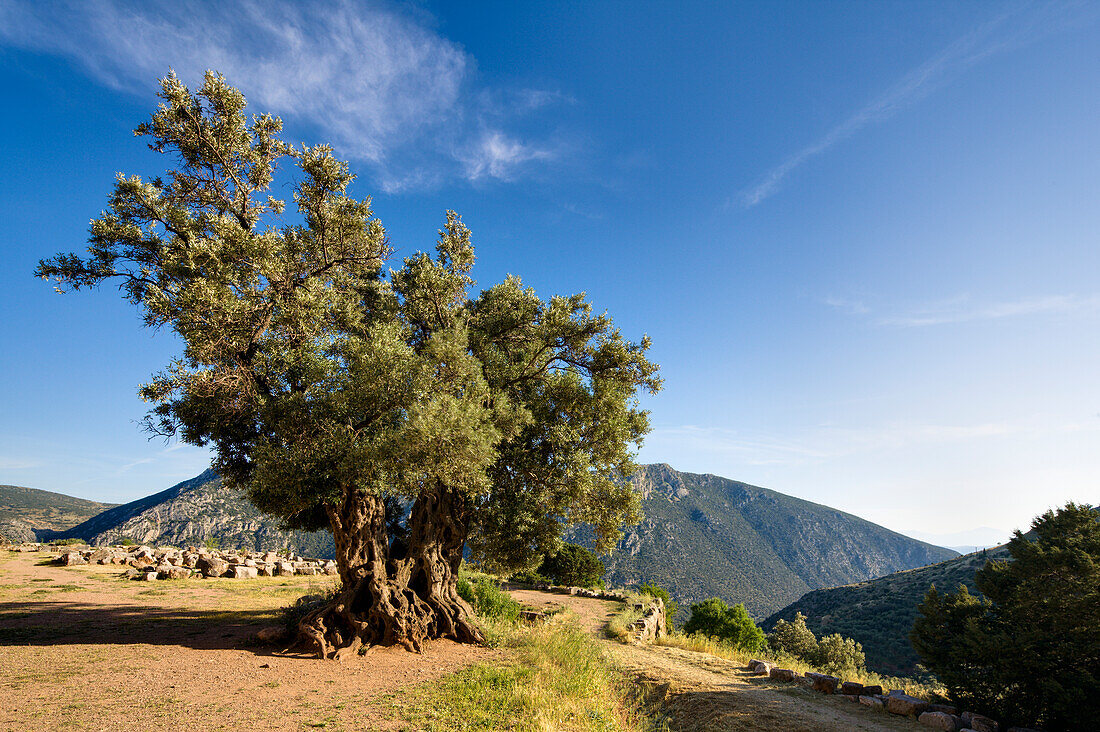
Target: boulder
x=871, y=703
x=940, y=720
x=785, y=675
x=212, y=567
x=308, y=571
x=851, y=687
x=149, y=576
x=980, y=723
x=271, y=634
x=285, y=569
x=174, y=572
x=825, y=684
x=945, y=708
x=873, y=690
x=763, y=668
x=70, y=559
x=905, y=705
x=242, y=571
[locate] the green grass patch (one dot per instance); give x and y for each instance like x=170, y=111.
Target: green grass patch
x=558, y=678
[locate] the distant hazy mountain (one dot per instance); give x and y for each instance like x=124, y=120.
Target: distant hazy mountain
x=706, y=536
x=25, y=510
x=880, y=613
x=965, y=542
x=192, y=513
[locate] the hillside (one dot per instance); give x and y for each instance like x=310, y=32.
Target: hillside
x=880, y=613
x=25, y=510
x=192, y=513
x=705, y=536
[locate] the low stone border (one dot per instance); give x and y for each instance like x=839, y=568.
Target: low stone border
x=936, y=716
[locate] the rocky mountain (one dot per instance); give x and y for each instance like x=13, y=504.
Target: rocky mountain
x=880, y=613
x=23, y=511
x=197, y=512
x=706, y=536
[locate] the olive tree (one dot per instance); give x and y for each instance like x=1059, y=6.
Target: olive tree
x=412, y=417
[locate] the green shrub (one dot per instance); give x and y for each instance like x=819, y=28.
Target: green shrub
x=488, y=599
x=528, y=577
x=716, y=619
x=127, y=542
x=573, y=565
x=660, y=592
x=839, y=656
x=794, y=639
x=67, y=542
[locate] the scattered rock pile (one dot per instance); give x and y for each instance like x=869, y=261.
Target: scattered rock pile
x=652, y=625
x=935, y=716
x=147, y=563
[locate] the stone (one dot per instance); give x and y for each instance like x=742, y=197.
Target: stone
x=241, y=571
x=872, y=703
x=249, y=562
x=872, y=690
x=752, y=663
x=101, y=556
x=308, y=571
x=149, y=576
x=825, y=684
x=851, y=697
x=285, y=569
x=980, y=723
x=271, y=634
x=174, y=572
x=266, y=570
x=945, y=708
x=71, y=559
x=763, y=668
x=212, y=567
x=851, y=687
x=904, y=705
x=940, y=720
x=785, y=675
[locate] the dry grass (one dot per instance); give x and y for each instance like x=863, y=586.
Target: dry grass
x=714, y=647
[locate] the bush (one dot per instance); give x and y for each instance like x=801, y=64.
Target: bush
x=488, y=599
x=68, y=542
x=529, y=577
x=660, y=592
x=573, y=565
x=794, y=639
x=839, y=656
x=716, y=619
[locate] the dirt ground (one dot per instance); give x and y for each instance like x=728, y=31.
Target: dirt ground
x=710, y=694
x=81, y=648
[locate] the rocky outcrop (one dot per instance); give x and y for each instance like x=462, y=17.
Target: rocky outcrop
x=653, y=624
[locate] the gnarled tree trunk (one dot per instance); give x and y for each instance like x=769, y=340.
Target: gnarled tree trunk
x=394, y=593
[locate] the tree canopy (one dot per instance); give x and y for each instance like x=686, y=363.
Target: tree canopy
x=1028, y=650
x=400, y=409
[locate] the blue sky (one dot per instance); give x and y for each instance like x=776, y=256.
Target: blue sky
x=863, y=236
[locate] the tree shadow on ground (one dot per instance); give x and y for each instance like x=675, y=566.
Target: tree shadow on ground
x=48, y=623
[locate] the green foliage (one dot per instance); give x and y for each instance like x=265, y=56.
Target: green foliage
x=127, y=542
x=654, y=590
x=574, y=566
x=489, y=600
x=833, y=654
x=529, y=577
x=326, y=380
x=1027, y=652
x=212, y=542
x=68, y=542
x=794, y=639
x=716, y=619
x=839, y=656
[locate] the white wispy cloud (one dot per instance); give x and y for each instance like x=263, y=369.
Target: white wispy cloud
x=851, y=307
x=380, y=85
x=1017, y=27
x=826, y=442
x=962, y=310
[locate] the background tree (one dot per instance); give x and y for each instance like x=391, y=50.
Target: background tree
x=1029, y=652
x=574, y=566
x=655, y=590
x=391, y=407
x=793, y=638
x=716, y=619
